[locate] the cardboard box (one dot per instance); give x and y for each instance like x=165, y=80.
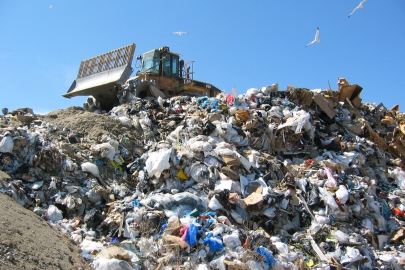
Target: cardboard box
x=350, y=92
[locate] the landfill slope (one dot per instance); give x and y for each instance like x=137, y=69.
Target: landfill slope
x=28, y=242
x=270, y=179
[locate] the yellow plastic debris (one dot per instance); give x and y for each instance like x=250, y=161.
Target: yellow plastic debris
x=181, y=175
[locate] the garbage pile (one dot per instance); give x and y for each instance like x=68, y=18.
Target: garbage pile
x=294, y=179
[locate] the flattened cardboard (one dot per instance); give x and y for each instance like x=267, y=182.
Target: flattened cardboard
x=255, y=197
x=325, y=105
x=231, y=160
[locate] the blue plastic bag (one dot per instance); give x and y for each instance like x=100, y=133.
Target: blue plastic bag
x=162, y=229
x=211, y=213
x=215, y=103
x=136, y=203
x=191, y=236
x=205, y=104
x=267, y=256
x=214, y=242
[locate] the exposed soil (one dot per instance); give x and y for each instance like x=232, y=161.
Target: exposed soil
x=28, y=242
x=87, y=124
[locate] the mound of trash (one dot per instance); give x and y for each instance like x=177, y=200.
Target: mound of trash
x=271, y=179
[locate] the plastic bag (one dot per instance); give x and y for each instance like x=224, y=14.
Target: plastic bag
x=110, y=264
x=90, y=246
x=214, y=204
x=267, y=255
x=340, y=236
x=54, y=214
x=327, y=198
x=342, y=194
x=331, y=182
x=200, y=146
x=125, y=121
x=200, y=173
x=191, y=235
x=91, y=168
x=282, y=247
x=218, y=263
x=214, y=242
x=301, y=120
x=106, y=149
x=6, y=145
x=129, y=231
x=70, y=165
x=157, y=162
x=93, y=218
x=270, y=212
x=399, y=176
x=231, y=240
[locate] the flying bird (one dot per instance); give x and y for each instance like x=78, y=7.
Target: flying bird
x=179, y=33
x=356, y=8
x=316, y=40
x=50, y=6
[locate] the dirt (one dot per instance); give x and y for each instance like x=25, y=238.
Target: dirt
x=86, y=124
x=28, y=242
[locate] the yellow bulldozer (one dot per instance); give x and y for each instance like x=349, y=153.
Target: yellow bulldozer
x=161, y=74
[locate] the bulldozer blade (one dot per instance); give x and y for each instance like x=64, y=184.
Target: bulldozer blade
x=102, y=75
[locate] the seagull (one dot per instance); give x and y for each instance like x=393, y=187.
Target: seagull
x=356, y=8
x=50, y=6
x=179, y=33
x=316, y=40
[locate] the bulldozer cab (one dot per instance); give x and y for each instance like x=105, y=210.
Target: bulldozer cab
x=160, y=62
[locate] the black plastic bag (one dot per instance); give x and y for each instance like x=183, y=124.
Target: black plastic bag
x=313, y=195
x=93, y=218
x=207, y=127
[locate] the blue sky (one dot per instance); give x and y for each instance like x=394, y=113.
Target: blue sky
x=242, y=44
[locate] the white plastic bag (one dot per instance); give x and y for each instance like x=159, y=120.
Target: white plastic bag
x=231, y=240
x=218, y=263
x=6, y=145
x=327, y=198
x=214, y=204
x=399, y=176
x=54, y=214
x=106, y=149
x=200, y=173
x=91, y=168
x=89, y=246
x=340, y=236
x=70, y=165
x=282, y=247
x=110, y=264
x=125, y=121
x=301, y=120
x=157, y=162
x=342, y=194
